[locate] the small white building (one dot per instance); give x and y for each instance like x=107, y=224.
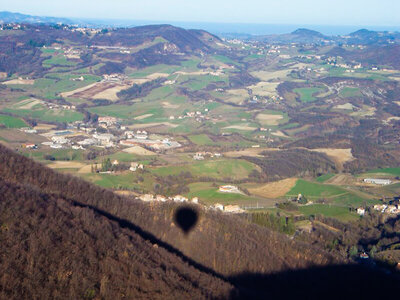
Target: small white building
x=59, y=140
x=179, y=198
x=361, y=211
x=229, y=189
x=198, y=156
x=195, y=200
x=218, y=206
x=136, y=166
x=377, y=181
x=141, y=135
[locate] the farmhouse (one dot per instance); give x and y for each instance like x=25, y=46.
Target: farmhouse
x=233, y=209
x=377, y=181
x=198, y=156
x=30, y=146
x=229, y=189
x=135, y=166
x=107, y=120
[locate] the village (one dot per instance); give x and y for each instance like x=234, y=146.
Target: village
x=234, y=209
x=80, y=135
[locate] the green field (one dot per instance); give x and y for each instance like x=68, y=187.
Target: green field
x=161, y=68
x=132, y=111
x=349, y=92
x=332, y=211
x=47, y=115
x=389, y=171
x=225, y=60
x=315, y=190
x=220, y=169
x=58, y=60
x=201, y=139
x=199, y=82
x=209, y=194
x=308, y=94
x=12, y=122
x=323, y=178
x=115, y=181
x=334, y=194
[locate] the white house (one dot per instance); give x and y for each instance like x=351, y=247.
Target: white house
x=361, y=211
x=377, y=181
x=179, y=198
x=218, y=206
x=229, y=189
x=232, y=209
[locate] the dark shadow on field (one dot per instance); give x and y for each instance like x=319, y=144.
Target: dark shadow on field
x=332, y=282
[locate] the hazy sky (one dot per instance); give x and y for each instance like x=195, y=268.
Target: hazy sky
x=322, y=12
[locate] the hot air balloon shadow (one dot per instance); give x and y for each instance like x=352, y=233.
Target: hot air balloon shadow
x=186, y=218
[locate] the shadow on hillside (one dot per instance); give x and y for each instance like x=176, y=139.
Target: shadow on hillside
x=333, y=282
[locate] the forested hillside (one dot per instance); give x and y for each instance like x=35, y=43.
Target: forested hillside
x=226, y=244
x=52, y=249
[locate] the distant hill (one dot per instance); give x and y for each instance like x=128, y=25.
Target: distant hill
x=159, y=44
x=301, y=35
x=307, y=32
x=368, y=37
x=375, y=55
x=11, y=17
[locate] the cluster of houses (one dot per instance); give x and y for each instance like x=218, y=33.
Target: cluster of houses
x=113, y=77
x=72, y=53
x=197, y=115
x=79, y=135
x=334, y=61
x=382, y=208
x=195, y=200
x=203, y=155
x=160, y=198
x=55, y=106
x=387, y=209
x=234, y=209
x=11, y=26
